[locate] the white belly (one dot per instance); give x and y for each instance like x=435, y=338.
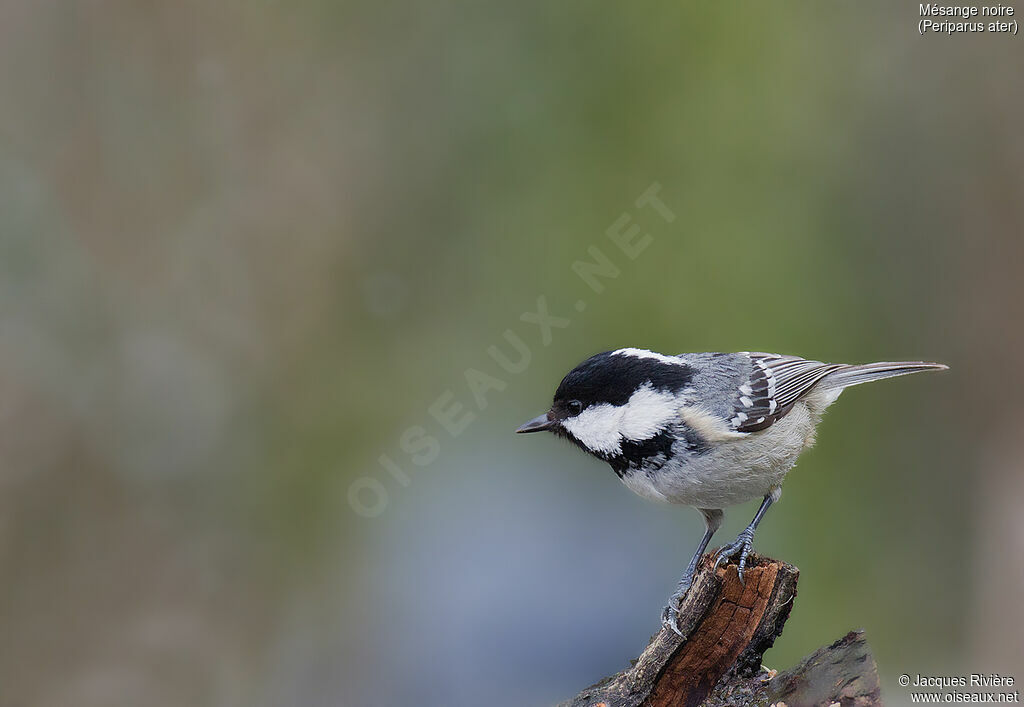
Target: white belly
x=735, y=471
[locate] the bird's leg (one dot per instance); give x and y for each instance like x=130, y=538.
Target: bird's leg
x=670, y=615
x=745, y=539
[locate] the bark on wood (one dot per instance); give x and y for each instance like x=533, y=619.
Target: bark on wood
x=727, y=626
x=844, y=672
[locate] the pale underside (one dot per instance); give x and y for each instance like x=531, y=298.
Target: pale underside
x=735, y=470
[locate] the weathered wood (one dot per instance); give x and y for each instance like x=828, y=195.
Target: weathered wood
x=727, y=626
x=721, y=620
x=844, y=672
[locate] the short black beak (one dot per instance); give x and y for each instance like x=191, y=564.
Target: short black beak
x=541, y=422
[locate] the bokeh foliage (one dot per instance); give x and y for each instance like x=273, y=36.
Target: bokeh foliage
x=246, y=245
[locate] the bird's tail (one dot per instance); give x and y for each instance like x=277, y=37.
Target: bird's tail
x=855, y=375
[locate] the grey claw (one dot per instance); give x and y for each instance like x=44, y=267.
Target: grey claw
x=670, y=614
x=670, y=618
x=743, y=559
x=723, y=555
x=741, y=545
x=666, y=617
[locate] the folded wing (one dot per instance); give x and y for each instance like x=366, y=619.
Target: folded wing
x=774, y=385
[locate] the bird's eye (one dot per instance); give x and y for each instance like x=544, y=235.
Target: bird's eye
x=575, y=407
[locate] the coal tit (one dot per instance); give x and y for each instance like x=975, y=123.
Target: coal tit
x=707, y=430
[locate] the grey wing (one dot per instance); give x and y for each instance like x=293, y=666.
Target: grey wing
x=773, y=385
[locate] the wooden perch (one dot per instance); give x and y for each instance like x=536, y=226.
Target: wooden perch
x=727, y=626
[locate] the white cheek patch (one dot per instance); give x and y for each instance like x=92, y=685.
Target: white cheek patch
x=647, y=413
x=601, y=428
x=597, y=428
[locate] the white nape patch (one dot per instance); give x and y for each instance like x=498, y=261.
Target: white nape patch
x=709, y=425
x=644, y=353
x=601, y=428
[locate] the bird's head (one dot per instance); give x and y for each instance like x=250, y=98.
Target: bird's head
x=615, y=400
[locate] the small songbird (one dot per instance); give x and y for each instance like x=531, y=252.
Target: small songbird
x=707, y=430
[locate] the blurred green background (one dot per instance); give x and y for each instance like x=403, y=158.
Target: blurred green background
x=244, y=247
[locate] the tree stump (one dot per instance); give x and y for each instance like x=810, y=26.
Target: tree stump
x=727, y=625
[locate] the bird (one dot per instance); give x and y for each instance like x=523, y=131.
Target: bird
x=706, y=430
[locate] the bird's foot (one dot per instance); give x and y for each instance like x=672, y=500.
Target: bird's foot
x=741, y=545
x=670, y=614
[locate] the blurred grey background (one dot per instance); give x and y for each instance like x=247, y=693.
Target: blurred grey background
x=245, y=247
